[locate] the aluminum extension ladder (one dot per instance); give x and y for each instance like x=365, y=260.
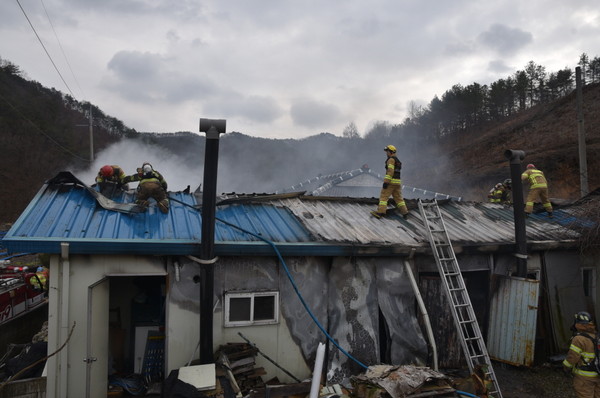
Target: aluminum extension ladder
x=454, y=285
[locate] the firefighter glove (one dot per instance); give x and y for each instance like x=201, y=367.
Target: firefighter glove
x=385, y=185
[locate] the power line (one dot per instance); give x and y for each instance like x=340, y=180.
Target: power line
x=47, y=53
x=42, y=131
x=61, y=48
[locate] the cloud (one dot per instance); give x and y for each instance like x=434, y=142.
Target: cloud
x=147, y=77
x=314, y=114
x=505, y=40
x=254, y=108
x=499, y=66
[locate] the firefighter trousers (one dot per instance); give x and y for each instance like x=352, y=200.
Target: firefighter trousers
x=538, y=195
x=395, y=191
x=586, y=387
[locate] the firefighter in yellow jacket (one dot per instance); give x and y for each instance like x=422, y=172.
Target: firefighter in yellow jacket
x=580, y=357
x=495, y=194
x=392, y=185
x=151, y=185
x=538, y=189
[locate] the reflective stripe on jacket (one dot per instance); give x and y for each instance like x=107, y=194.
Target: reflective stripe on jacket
x=393, y=166
x=580, y=355
x=535, y=177
x=118, y=175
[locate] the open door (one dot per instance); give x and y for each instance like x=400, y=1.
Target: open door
x=513, y=320
x=97, y=340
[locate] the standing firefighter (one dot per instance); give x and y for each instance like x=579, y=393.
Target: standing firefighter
x=538, y=189
x=392, y=185
x=151, y=185
x=580, y=360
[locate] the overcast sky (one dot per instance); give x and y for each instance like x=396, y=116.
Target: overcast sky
x=280, y=68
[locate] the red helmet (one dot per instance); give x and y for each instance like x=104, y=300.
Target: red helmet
x=107, y=171
x=531, y=166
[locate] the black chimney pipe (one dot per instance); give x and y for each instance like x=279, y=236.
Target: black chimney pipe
x=213, y=128
x=515, y=158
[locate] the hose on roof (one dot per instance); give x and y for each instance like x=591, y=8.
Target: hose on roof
x=292, y=281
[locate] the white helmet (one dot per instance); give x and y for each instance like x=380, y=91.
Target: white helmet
x=147, y=168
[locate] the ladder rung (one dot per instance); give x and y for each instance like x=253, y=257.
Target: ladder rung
x=478, y=356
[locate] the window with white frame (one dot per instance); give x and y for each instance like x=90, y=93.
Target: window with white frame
x=251, y=308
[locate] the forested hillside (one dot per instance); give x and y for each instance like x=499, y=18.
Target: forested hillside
x=454, y=145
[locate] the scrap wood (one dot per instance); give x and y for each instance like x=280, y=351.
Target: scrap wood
x=283, y=390
x=397, y=381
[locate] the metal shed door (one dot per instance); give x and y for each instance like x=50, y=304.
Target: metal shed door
x=97, y=340
x=513, y=317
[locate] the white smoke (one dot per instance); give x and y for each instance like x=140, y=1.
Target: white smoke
x=131, y=154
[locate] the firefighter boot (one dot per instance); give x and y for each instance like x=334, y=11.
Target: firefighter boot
x=377, y=215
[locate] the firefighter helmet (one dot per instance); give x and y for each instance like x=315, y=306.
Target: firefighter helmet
x=531, y=166
x=390, y=148
x=507, y=182
x=107, y=171
x=147, y=168
x=583, y=318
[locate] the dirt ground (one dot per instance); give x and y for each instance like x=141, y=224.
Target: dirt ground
x=545, y=381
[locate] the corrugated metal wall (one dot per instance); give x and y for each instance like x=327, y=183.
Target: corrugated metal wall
x=513, y=317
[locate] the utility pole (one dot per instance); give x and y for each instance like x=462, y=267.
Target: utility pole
x=583, y=174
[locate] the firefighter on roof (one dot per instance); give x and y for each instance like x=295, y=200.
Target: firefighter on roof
x=151, y=185
x=392, y=185
x=538, y=189
x=110, y=173
x=495, y=194
x=580, y=357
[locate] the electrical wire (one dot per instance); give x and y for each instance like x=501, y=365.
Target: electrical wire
x=292, y=281
x=42, y=131
x=47, y=53
x=61, y=48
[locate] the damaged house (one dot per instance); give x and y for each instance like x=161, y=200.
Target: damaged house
x=118, y=279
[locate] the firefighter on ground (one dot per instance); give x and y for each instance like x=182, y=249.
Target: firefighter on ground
x=581, y=355
x=151, y=185
x=538, y=189
x=392, y=185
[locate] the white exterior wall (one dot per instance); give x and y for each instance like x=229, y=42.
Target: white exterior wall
x=275, y=341
x=84, y=272
x=183, y=318
x=182, y=323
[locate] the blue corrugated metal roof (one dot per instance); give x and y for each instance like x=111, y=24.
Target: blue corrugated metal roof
x=299, y=225
x=68, y=213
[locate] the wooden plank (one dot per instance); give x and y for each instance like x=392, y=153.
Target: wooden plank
x=283, y=390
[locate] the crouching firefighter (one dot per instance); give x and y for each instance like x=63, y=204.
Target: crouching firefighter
x=581, y=358
x=151, y=185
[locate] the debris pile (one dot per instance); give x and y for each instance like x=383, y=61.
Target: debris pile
x=385, y=381
x=238, y=361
